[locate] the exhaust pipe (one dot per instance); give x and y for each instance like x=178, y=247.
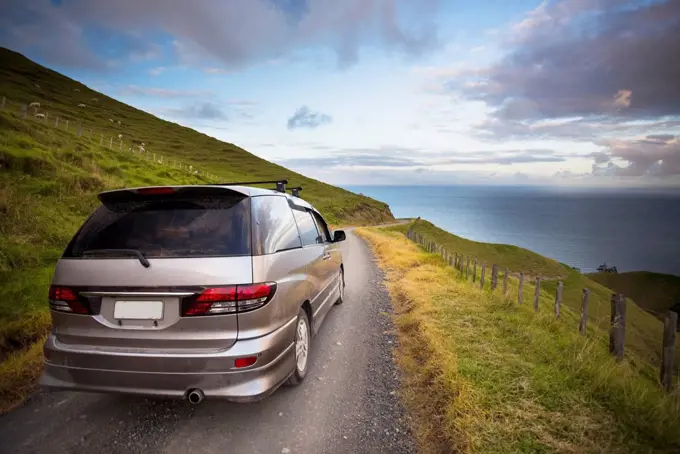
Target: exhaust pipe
x=195, y=396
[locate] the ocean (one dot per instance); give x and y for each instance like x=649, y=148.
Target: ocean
x=632, y=229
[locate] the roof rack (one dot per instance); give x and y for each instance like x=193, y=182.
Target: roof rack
x=296, y=191
x=280, y=184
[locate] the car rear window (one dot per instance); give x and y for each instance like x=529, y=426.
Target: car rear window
x=171, y=226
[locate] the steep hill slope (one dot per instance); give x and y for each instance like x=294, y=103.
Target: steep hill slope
x=50, y=175
x=654, y=292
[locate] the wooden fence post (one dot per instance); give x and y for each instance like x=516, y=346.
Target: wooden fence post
x=111, y=143
x=481, y=278
x=24, y=110
x=56, y=122
x=584, y=311
x=474, y=272
x=66, y=125
x=537, y=293
x=494, y=277
x=467, y=269
x=617, y=329
x=47, y=114
x=460, y=265
x=505, y=282
x=558, y=299
x=670, y=327
x=520, y=295
x=79, y=126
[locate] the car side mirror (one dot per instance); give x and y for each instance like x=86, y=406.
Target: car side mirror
x=339, y=235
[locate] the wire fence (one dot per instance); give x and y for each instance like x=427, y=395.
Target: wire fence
x=107, y=138
x=529, y=291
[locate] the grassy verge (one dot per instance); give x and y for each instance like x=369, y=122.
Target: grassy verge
x=486, y=375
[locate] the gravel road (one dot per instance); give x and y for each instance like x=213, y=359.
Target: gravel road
x=347, y=403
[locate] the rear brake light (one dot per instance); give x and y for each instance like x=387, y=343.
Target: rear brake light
x=155, y=191
x=230, y=300
x=63, y=299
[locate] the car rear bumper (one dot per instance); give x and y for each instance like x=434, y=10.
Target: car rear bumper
x=166, y=375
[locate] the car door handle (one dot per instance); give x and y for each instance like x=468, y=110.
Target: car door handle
x=326, y=256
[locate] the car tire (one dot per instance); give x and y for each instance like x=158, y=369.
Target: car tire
x=341, y=298
x=303, y=338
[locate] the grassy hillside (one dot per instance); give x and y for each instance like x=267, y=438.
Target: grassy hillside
x=49, y=178
x=515, y=258
x=644, y=332
x=484, y=374
x=654, y=292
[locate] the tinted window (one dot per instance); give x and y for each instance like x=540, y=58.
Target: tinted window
x=307, y=227
x=273, y=225
x=169, y=227
x=322, y=227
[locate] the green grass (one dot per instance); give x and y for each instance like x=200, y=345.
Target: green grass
x=643, y=331
x=515, y=258
x=484, y=374
x=654, y=292
x=49, y=178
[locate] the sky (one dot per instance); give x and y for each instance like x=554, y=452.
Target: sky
x=563, y=92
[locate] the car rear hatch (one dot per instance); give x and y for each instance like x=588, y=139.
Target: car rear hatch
x=157, y=270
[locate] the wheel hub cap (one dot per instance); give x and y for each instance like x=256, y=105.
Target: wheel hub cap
x=302, y=344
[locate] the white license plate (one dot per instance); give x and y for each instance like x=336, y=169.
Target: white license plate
x=138, y=310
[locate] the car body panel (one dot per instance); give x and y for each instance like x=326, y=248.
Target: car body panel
x=172, y=354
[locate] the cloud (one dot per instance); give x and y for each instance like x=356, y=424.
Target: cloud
x=196, y=111
x=157, y=71
x=652, y=156
x=584, y=58
x=411, y=157
x=162, y=92
x=304, y=117
x=234, y=33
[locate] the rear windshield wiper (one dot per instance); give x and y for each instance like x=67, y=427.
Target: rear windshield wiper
x=133, y=252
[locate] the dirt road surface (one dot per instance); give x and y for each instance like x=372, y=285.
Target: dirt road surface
x=347, y=404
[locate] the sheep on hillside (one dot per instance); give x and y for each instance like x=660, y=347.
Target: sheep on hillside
x=76, y=89
x=141, y=149
x=118, y=121
x=81, y=105
x=111, y=120
x=40, y=115
x=94, y=100
x=120, y=136
x=37, y=86
x=143, y=144
x=35, y=105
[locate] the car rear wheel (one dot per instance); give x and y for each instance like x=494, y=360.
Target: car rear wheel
x=302, y=343
x=341, y=296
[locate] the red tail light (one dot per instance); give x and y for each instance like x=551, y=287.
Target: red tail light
x=63, y=299
x=155, y=191
x=245, y=362
x=230, y=299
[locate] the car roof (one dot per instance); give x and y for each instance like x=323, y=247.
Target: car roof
x=249, y=191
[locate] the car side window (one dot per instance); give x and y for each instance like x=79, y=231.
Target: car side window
x=274, y=226
x=307, y=227
x=322, y=227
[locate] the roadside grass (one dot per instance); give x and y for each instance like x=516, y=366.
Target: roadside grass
x=654, y=292
x=515, y=258
x=49, y=178
x=484, y=374
x=644, y=332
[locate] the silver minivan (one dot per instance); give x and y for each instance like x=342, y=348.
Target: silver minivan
x=192, y=291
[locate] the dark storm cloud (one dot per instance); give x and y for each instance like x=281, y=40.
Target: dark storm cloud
x=582, y=58
x=233, y=33
x=304, y=117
